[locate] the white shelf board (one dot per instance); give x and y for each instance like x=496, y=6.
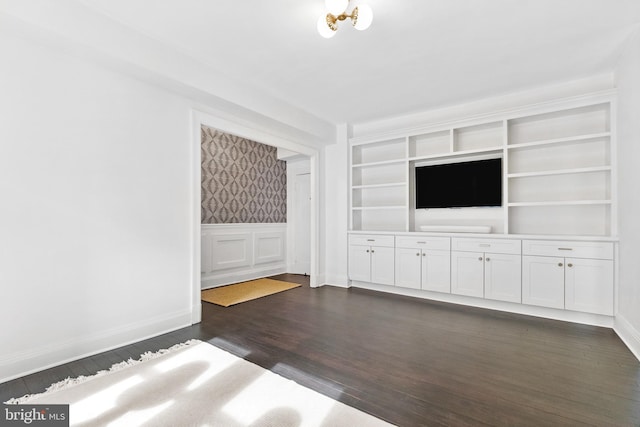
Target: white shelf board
x=384, y=162
x=457, y=153
x=390, y=184
x=560, y=203
x=560, y=172
x=559, y=140
x=371, y=208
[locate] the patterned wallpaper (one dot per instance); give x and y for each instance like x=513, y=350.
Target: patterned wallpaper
x=242, y=181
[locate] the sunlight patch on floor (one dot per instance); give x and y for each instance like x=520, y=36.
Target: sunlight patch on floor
x=138, y=418
x=258, y=400
x=98, y=403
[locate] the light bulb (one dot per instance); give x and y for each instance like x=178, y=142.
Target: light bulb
x=323, y=28
x=336, y=7
x=365, y=17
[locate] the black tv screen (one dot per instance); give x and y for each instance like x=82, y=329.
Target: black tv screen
x=455, y=185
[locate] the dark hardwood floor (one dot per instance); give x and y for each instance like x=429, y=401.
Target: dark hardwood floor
x=412, y=362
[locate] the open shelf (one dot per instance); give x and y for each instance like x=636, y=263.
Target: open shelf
x=575, y=138
x=458, y=154
x=561, y=203
x=558, y=172
x=379, y=152
x=387, y=185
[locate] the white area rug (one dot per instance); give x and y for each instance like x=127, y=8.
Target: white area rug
x=195, y=384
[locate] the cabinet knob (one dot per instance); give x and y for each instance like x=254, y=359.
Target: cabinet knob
x=569, y=265
x=372, y=251
x=418, y=254
x=424, y=254
x=559, y=264
x=488, y=259
x=480, y=259
x=367, y=250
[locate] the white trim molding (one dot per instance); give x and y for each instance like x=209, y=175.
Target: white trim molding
x=19, y=364
x=628, y=334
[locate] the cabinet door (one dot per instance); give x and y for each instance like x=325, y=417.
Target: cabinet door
x=502, y=277
x=543, y=281
x=359, y=263
x=408, y=265
x=436, y=271
x=589, y=285
x=467, y=273
x=382, y=265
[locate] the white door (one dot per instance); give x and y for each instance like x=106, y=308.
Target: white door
x=383, y=265
x=360, y=263
x=543, y=281
x=467, y=273
x=408, y=265
x=589, y=285
x=436, y=271
x=502, y=277
x=302, y=225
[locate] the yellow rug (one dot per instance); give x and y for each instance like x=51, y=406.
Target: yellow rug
x=246, y=291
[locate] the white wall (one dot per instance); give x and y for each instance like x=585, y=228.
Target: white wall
x=628, y=82
x=336, y=193
x=96, y=210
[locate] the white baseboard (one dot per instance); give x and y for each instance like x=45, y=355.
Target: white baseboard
x=23, y=363
x=628, y=334
x=528, y=310
x=228, y=278
x=317, y=280
x=337, y=281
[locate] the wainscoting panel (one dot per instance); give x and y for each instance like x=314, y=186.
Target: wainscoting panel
x=269, y=247
x=234, y=253
x=230, y=251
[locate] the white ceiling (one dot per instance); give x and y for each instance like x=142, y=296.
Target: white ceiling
x=417, y=55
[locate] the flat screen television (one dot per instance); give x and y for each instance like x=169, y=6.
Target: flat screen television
x=456, y=185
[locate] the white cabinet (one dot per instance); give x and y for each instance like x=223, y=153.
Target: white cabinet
x=423, y=263
x=502, y=277
x=578, y=282
x=543, y=281
x=486, y=268
x=560, y=274
x=371, y=259
x=589, y=285
x=467, y=274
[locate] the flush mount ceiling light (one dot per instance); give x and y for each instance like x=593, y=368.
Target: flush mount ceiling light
x=361, y=17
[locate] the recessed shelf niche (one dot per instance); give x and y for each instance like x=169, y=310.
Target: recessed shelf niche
x=557, y=165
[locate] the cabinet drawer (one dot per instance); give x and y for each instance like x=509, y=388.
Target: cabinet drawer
x=497, y=246
x=372, y=240
x=563, y=248
x=441, y=243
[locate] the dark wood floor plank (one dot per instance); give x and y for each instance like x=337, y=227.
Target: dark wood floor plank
x=413, y=362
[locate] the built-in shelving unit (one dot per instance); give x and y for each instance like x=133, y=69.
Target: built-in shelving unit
x=558, y=171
